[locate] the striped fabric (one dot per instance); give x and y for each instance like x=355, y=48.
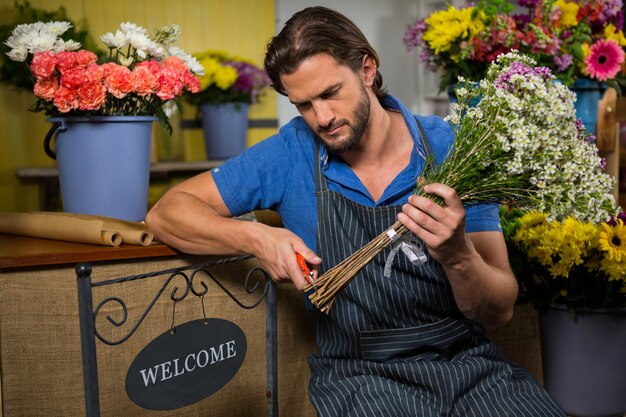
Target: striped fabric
x=399, y=346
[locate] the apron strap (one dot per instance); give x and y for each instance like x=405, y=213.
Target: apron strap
x=320, y=180
x=425, y=142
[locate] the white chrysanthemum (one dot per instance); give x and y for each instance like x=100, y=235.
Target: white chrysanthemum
x=18, y=54
x=140, y=42
x=69, y=45
x=58, y=28
x=117, y=40
x=132, y=28
x=41, y=41
x=154, y=50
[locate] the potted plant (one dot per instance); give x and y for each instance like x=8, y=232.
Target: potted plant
x=573, y=271
x=102, y=110
x=228, y=87
x=582, y=42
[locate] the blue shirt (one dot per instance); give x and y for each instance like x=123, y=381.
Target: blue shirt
x=278, y=174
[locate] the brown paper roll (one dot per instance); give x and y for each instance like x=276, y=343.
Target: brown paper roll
x=50, y=226
x=132, y=233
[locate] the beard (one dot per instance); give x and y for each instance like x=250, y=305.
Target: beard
x=360, y=116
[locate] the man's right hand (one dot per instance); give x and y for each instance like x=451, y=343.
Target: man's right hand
x=276, y=251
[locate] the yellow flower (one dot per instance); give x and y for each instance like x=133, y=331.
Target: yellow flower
x=613, y=241
x=611, y=32
x=532, y=218
x=225, y=77
x=559, y=246
x=569, y=11
x=584, y=47
x=614, y=270
x=448, y=26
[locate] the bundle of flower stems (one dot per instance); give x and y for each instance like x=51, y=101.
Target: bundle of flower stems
x=517, y=140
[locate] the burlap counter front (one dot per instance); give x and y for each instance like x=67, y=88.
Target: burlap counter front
x=40, y=352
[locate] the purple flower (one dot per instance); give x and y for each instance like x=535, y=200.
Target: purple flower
x=413, y=35
x=250, y=80
x=611, y=11
x=531, y=4
x=620, y=216
x=563, y=62
x=518, y=68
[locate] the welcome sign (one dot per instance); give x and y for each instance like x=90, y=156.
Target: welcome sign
x=183, y=367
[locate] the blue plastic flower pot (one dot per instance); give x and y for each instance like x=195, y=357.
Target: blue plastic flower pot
x=225, y=128
x=104, y=164
x=588, y=94
x=583, y=361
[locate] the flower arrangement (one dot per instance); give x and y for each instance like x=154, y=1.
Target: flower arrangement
x=140, y=74
x=574, y=38
x=575, y=263
x=228, y=79
x=517, y=141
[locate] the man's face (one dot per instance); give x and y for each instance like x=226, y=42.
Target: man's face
x=332, y=99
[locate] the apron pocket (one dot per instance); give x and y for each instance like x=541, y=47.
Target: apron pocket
x=434, y=341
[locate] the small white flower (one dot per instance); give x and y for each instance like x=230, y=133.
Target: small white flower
x=18, y=54
x=140, y=42
x=58, y=28
x=69, y=45
x=118, y=40
x=132, y=28
x=41, y=42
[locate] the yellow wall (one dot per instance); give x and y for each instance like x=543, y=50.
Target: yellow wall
x=242, y=27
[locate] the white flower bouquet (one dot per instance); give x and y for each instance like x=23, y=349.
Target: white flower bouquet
x=517, y=141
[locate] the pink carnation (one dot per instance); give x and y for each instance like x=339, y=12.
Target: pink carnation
x=43, y=64
x=91, y=95
x=94, y=73
x=117, y=79
x=604, y=60
x=176, y=63
x=73, y=78
x=65, y=60
x=169, y=84
x=144, y=79
x=191, y=82
x=85, y=58
x=65, y=99
x=45, y=88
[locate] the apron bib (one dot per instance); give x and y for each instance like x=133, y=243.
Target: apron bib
x=397, y=346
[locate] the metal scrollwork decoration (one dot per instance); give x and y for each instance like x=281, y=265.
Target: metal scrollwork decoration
x=194, y=283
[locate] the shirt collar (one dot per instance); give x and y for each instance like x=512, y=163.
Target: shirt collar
x=336, y=170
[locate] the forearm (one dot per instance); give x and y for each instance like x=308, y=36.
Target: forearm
x=483, y=292
x=188, y=224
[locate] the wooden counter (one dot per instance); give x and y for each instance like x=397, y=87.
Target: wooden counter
x=40, y=347
x=40, y=355
x=20, y=251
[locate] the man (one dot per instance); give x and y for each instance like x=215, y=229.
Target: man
x=411, y=344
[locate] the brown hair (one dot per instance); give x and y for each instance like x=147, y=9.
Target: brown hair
x=316, y=30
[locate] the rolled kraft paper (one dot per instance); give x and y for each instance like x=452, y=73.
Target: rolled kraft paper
x=132, y=233
x=58, y=227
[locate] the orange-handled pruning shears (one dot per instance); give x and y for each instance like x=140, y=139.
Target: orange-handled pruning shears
x=308, y=274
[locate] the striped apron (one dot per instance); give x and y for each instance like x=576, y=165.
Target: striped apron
x=399, y=346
